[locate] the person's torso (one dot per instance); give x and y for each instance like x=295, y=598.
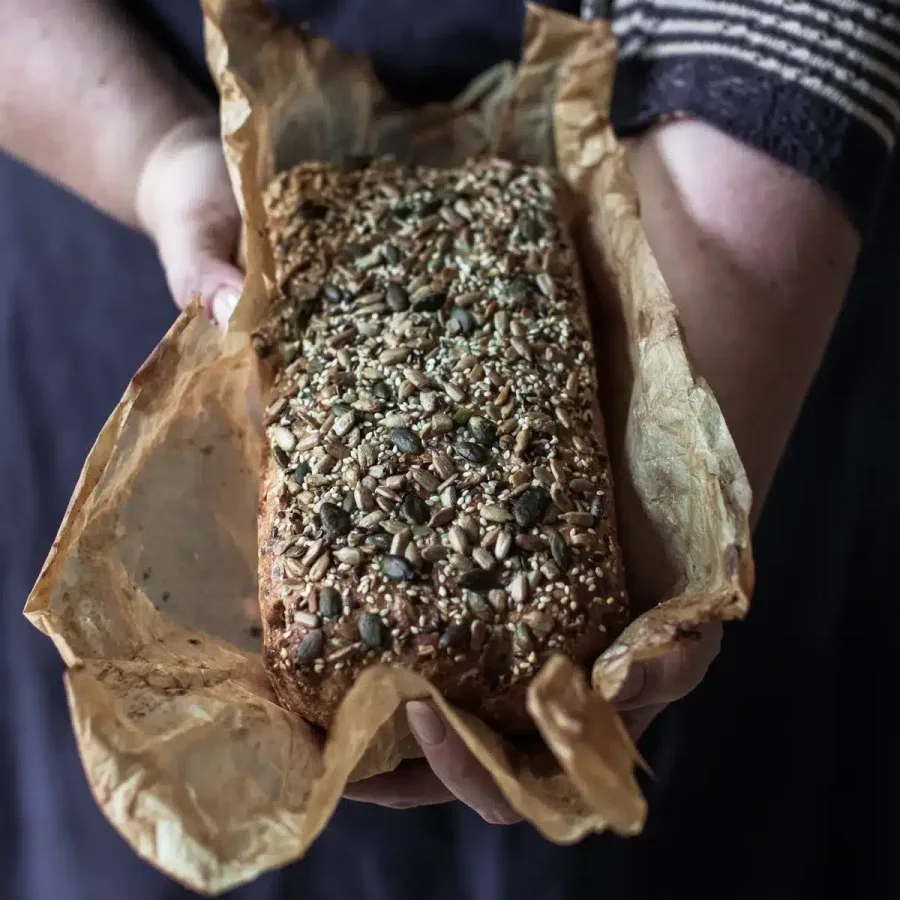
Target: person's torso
x=423, y=52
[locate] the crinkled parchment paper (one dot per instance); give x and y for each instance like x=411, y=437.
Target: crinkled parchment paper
x=149, y=592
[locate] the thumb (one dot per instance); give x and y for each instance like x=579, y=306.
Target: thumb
x=673, y=675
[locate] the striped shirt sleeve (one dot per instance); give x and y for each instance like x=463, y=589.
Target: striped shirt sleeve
x=813, y=83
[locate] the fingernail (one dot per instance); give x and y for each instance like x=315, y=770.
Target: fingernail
x=223, y=303
x=632, y=685
x=426, y=724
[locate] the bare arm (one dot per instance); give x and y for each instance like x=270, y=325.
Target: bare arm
x=88, y=102
x=84, y=99
x=758, y=259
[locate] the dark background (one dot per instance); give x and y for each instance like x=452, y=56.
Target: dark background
x=775, y=779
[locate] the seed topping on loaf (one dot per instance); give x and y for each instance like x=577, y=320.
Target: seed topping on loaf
x=441, y=482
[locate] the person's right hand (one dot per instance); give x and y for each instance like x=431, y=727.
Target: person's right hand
x=186, y=204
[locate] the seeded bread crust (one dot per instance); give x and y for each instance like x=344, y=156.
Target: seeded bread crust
x=436, y=492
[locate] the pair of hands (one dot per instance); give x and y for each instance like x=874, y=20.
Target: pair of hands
x=186, y=204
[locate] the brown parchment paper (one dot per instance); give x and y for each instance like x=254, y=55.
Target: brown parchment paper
x=149, y=591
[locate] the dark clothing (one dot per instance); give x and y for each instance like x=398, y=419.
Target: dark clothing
x=765, y=776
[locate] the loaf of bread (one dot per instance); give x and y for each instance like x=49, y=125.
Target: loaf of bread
x=436, y=492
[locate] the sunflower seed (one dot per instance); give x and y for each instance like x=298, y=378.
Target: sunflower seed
x=442, y=517
x=313, y=552
x=398, y=544
x=455, y=393
x=519, y=588
x=372, y=519
x=521, y=347
x=458, y=540
x=479, y=607
x=308, y=442
x=424, y=479
x=523, y=438
x=395, y=526
x=284, y=438
x=579, y=519
x=504, y=544
x=434, y=553
x=546, y=286
x=363, y=498
x=344, y=423
x=469, y=526
x=416, y=378
x=561, y=499
x=394, y=355
x=349, y=555
x=483, y=558
x=558, y=471
x=495, y=512
x=366, y=301
x=442, y=423
x=320, y=567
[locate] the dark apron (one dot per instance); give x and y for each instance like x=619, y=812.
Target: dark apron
x=766, y=778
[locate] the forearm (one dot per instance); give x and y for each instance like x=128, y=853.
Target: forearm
x=84, y=99
x=758, y=259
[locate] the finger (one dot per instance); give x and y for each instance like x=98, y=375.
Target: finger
x=192, y=269
x=456, y=767
x=664, y=679
x=198, y=249
x=412, y=784
x=637, y=721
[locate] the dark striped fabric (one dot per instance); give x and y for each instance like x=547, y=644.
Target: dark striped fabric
x=814, y=83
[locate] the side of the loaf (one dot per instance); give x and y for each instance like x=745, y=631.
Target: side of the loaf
x=436, y=493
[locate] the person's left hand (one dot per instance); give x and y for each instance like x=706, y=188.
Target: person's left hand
x=450, y=772
x=186, y=204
